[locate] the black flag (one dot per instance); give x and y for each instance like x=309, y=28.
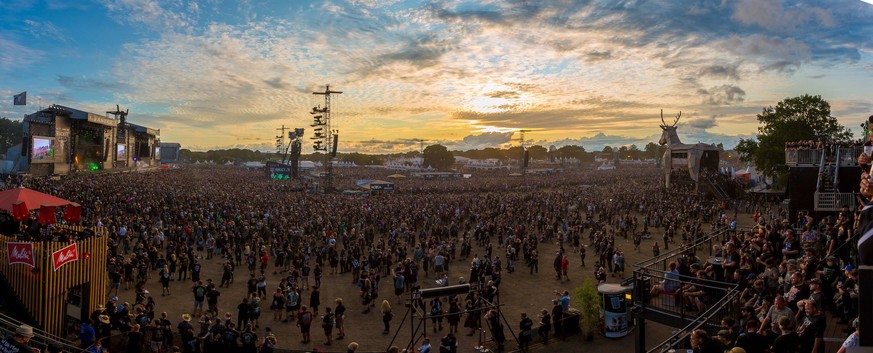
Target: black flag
x=20, y=99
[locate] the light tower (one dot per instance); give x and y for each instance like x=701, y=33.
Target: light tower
x=326, y=139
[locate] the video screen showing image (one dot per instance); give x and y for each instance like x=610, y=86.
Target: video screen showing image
x=157, y=152
x=43, y=149
x=121, y=152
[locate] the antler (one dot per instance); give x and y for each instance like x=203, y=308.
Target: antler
x=663, y=123
x=677, y=118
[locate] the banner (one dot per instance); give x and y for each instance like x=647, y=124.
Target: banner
x=20, y=253
x=67, y=254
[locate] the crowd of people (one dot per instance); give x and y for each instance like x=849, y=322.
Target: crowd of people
x=788, y=278
x=281, y=246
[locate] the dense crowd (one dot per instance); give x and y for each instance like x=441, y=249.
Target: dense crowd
x=788, y=276
x=166, y=225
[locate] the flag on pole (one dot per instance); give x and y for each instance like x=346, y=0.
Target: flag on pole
x=20, y=99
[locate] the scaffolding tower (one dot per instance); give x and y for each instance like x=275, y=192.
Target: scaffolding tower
x=326, y=139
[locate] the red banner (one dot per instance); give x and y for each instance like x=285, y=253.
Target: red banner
x=20, y=253
x=67, y=254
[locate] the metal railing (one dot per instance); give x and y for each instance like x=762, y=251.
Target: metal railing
x=709, y=321
x=846, y=156
x=41, y=339
x=662, y=260
x=834, y=201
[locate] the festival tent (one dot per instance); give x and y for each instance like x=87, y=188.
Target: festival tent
x=397, y=176
x=32, y=198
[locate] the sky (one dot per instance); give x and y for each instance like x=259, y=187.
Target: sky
x=466, y=74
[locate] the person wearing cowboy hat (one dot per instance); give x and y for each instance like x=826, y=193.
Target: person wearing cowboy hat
x=22, y=336
x=103, y=328
x=185, y=327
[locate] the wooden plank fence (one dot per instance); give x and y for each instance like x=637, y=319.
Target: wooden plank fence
x=43, y=291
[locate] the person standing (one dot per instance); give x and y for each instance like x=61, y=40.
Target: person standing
x=545, y=326
x=249, y=340
x=135, y=340
x=87, y=335
x=339, y=318
x=277, y=304
x=534, y=262
x=165, y=280
x=387, y=315
x=526, y=332
x=327, y=322
x=304, y=321
x=436, y=313
x=557, y=318
x=270, y=341
x=315, y=300
x=243, y=312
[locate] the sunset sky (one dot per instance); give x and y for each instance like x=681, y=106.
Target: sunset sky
x=467, y=74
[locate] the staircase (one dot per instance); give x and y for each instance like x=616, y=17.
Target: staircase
x=41, y=339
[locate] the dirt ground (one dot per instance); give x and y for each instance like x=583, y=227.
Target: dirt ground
x=520, y=292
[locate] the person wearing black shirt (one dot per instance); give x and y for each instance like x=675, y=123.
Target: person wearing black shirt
x=545, y=326
x=229, y=338
x=558, y=318
x=702, y=343
x=799, y=291
x=134, y=340
x=249, y=340
x=526, y=335
x=243, y=313
x=751, y=340
x=812, y=328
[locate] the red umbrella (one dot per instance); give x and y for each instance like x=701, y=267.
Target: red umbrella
x=32, y=198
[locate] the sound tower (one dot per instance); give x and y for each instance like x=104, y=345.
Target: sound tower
x=526, y=158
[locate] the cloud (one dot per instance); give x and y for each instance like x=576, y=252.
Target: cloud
x=774, y=16
x=487, y=139
x=703, y=123
x=503, y=94
x=730, y=71
x=90, y=84
x=722, y=95
x=14, y=56
x=160, y=15
x=45, y=31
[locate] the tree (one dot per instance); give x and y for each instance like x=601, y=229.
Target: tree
x=793, y=119
x=438, y=156
x=537, y=152
x=514, y=152
x=572, y=151
x=607, y=149
x=10, y=133
x=654, y=151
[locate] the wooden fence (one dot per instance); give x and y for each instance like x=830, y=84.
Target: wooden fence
x=43, y=291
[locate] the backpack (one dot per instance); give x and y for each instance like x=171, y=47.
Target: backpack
x=327, y=321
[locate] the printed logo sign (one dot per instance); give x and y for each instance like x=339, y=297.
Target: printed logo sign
x=67, y=254
x=20, y=253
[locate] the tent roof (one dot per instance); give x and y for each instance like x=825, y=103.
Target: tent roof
x=32, y=198
x=397, y=176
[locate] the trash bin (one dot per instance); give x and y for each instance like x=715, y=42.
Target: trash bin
x=616, y=312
